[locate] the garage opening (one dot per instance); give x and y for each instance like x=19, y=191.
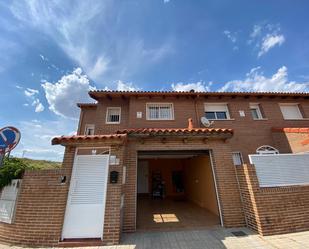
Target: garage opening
x=176, y=190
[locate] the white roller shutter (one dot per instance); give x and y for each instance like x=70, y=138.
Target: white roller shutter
x=281, y=169
x=290, y=111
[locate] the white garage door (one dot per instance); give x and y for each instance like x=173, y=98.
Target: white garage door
x=84, y=217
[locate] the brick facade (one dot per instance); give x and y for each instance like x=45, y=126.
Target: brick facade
x=42, y=201
x=275, y=210
x=249, y=134
x=291, y=140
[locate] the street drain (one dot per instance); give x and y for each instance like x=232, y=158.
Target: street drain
x=239, y=233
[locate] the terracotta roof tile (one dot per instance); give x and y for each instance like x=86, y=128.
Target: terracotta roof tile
x=78, y=138
x=80, y=105
x=163, y=131
x=290, y=130
x=99, y=93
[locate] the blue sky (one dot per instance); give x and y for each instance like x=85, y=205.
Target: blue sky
x=53, y=52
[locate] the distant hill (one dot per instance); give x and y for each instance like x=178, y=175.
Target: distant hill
x=41, y=164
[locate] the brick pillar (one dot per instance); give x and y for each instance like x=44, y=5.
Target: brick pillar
x=249, y=187
x=227, y=185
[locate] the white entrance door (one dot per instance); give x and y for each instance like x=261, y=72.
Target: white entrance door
x=84, y=216
x=142, y=177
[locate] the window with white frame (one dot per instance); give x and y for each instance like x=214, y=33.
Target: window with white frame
x=89, y=129
x=237, y=158
x=255, y=111
x=160, y=111
x=113, y=115
x=266, y=150
x=216, y=111
x=290, y=111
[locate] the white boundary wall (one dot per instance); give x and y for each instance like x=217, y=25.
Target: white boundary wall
x=8, y=198
x=281, y=169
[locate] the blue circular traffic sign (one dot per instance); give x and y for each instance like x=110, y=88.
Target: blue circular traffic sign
x=9, y=138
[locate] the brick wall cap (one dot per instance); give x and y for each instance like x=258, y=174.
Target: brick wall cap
x=78, y=138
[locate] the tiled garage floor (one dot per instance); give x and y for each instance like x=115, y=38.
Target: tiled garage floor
x=207, y=239
x=170, y=214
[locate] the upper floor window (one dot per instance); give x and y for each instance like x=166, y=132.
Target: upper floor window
x=255, y=111
x=216, y=111
x=237, y=158
x=89, y=129
x=290, y=111
x=159, y=111
x=113, y=115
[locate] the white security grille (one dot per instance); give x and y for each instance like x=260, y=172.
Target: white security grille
x=113, y=115
x=281, y=169
x=8, y=201
x=160, y=111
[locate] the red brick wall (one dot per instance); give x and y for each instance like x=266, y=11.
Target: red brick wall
x=291, y=140
x=40, y=207
x=42, y=201
x=275, y=210
x=249, y=134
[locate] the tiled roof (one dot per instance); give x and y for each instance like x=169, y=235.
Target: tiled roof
x=176, y=131
x=290, y=130
x=79, y=138
x=86, y=105
x=97, y=93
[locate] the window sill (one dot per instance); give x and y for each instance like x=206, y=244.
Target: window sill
x=160, y=119
x=260, y=119
x=112, y=123
x=227, y=119
x=297, y=119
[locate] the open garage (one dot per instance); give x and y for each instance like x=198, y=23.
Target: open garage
x=176, y=190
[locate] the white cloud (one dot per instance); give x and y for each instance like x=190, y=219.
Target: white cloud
x=30, y=92
x=43, y=57
x=265, y=37
x=63, y=95
x=255, y=81
x=121, y=86
x=31, y=95
x=36, y=138
x=38, y=105
x=257, y=29
x=166, y=1
x=198, y=87
x=230, y=35
x=269, y=42
x=106, y=55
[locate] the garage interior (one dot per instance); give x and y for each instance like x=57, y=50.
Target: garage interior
x=175, y=190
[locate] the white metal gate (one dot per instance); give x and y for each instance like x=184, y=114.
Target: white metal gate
x=84, y=217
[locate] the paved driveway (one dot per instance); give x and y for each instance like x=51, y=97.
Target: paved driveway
x=207, y=239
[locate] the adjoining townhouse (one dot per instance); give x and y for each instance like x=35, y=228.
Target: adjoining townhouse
x=147, y=161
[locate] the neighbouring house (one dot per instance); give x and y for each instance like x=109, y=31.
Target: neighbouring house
x=149, y=161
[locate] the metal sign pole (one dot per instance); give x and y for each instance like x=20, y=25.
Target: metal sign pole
x=1, y=159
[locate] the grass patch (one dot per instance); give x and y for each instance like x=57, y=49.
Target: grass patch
x=41, y=164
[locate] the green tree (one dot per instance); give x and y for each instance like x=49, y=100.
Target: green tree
x=12, y=168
